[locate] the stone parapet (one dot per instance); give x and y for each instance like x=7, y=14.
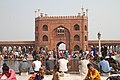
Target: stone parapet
x=61, y=17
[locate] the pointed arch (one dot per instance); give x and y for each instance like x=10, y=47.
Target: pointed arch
x=85, y=38
x=45, y=38
x=76, y=27
x=45, y=28
x=76, y=38
x=76, y=48
x=85, y=27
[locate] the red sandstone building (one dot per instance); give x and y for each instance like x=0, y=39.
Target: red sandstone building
x=51, y=31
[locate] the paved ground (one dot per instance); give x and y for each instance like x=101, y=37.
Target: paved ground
x=49, y=77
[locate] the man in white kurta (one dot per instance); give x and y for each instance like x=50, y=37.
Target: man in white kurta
x=83, y=66
x=63, y=64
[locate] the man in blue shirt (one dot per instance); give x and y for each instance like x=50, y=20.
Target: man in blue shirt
x=104, y=66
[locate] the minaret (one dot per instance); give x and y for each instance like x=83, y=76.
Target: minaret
x=38, y=12
x=79, y=14
x=41, y=14
x=86, y=12
x=35, y=14
x=46, y=15
x=82, y=11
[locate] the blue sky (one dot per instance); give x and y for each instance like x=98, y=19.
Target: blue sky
x=17, y=16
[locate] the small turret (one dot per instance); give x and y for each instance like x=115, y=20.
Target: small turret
x=41, y=14
x=82, y=11
x=46, y=15
x=38, y=12
x=79, y=14
x=35, y=14
x=86, y=12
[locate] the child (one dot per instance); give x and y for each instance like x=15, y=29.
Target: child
x=56, y=73
x=38, y=76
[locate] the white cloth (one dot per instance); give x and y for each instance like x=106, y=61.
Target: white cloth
x=63, y=65
x=83, y=67
x=87, y=52
x=37, y=65
x=1, y=69
x=3, y=77
x=16, y=53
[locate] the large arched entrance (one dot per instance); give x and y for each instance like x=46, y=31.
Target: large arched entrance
x=61, y=46
x=61, y=49
x=61, y=38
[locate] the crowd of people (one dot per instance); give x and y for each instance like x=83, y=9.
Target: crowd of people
x=91, y=63
x=14, y=54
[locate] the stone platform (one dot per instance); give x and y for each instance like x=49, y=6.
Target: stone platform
x=71, y=77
